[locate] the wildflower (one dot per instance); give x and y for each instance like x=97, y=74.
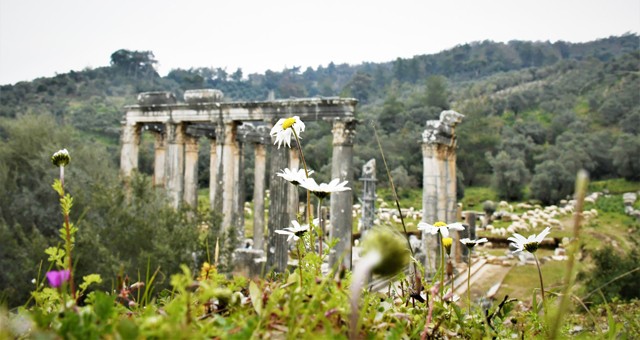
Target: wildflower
x=57, y=277
x=529, y=244
x=284, y=128
x=61, y=158
x=447, y=242
x=296, y=231
x=472, y=243
x=441, y=227
x=294, y=177
x=323, y=190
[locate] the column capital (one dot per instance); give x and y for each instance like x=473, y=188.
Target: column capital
x=175, y=133
x=343, y=132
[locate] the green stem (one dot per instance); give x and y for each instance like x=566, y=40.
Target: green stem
x=469, y=284
x=67, y=229
x=441, y=268
x=300, y=260
x=306, y=172
x=320, y=231
x=540, y=275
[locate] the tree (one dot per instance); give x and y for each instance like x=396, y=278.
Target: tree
x=510, y=175
x=437, y=93
x=134, y=62
x=551, y=182
x=237, y=75
x=626, y=156
x=360, y=86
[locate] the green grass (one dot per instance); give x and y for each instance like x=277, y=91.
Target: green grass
x=475, y=196
x=522, y=280
x=615, y=186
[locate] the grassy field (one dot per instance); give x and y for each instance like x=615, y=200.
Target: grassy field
x=610, y=227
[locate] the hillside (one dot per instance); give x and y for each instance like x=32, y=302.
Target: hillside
x=520, y=100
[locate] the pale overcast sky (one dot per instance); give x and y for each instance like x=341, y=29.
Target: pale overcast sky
x=42, y=38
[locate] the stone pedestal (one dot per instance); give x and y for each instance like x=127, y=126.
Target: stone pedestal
x=248, y=262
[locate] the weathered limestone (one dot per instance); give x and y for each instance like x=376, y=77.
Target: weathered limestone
x=213, y=173
x=191, y=171
x=160, y=150
x=258, y=195
x=229, y=155
x=439, y=180
x=130, y=139
x=341, y=202
x=279, y=211
x=174, y=165
x=238, y=182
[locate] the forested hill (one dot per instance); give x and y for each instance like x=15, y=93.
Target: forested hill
x=535, y=111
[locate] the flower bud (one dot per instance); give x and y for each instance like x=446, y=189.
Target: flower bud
x=394, y=253
x=61, y=158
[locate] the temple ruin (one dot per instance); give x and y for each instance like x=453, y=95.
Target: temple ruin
x=230, y=126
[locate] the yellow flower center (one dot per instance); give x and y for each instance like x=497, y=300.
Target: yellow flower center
x=288, y=123
x=439, y=224
x=447, y=241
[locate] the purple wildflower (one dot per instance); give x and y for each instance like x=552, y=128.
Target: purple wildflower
x=57, y=277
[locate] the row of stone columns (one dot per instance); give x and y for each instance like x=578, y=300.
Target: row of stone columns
x=176, y=168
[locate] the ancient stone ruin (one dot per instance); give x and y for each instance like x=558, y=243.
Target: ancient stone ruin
x=231, y=126
x=439, y=180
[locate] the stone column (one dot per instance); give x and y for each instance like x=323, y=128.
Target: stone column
x=191, y=171
x=130, y=140
x=439, y=181
x=174, y=165
x=229, y=159
x=277, y=249
x=259, y=172
x=430, y=187
x=213, y=173
x=238, y=191
x=342, y=202
x=160, y=150
x=294, y=198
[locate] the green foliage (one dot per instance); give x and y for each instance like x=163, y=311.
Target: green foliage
x=625, y=156
x=614, y=275
x=510, y=175
x=552, y=182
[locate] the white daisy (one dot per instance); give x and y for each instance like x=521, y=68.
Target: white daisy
x=472, y=243
x=529, y=244
x=294, y=177
x=441, y=227
x=296, y=231
x=323, y=190
x=284, y=129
